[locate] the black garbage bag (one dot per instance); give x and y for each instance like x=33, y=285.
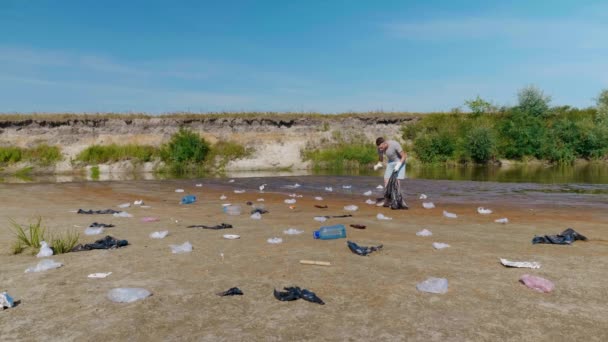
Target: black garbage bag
x=295, y=293
x=392, y=194
x=566, y=237
x=216, y=227
x=362, y=250
x=91, y=211
x=235, y=291
x=107, y=242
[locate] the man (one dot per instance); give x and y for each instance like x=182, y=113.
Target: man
x=396, y=159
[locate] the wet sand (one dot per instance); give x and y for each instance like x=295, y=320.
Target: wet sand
x=367, y=298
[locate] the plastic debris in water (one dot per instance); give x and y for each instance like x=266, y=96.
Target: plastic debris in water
x=537, y=283
x=293, y=231
x=99, y=275
x=329, y=188
x=351, y=207
x=502, y=220
x=424, y=232
x=520, y=264
x=367, y=193
x=449, y=215
x=290, y=201
x=433, y=285
x=423, y=196
x=440, y=245
x=159, y=235
x=127, y=295
x=379, y=187
x=484, y=211
x=199, y=185
x=346, y=186
x=275, y=240
x=261, y=187
x=231, y=181
x=382, y=217
x=45, y=264
x=185, y=247
x=428, y=205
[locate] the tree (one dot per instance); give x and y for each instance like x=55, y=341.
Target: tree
x=478, y=105
x=602, y=108
x=532, y=101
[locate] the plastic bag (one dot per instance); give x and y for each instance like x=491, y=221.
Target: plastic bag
x=318, y=198
x=433, y=285
x=503, y=220
x=449, y=215
x=367, y=193
x=537, y=283
x=127, y=294
x=6, y=301
x=45, y=250
x=256, y=216
x=46, y=264
x=484, y=211
x=320, y=218
x=93, y=231
x=159, y=235
x=440, y=245
x=99, y=275
x=290, y=201
x=520, y=264
x=185, y=247
x=382, y=217
x=351, y=207
x=370, y=201
x=293, y=231
x=428, y=205
x=424, y=232
x=122, y=214
x=275, y=240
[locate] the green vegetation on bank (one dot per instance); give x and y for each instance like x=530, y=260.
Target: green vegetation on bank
x=342, y=152
x=102, y=154
x=530, y=130
x=42, y=155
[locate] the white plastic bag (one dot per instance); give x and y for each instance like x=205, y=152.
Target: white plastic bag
x=290, y=201
x=382, y=217
x=124, y=205
x=45, y=250
x=159, y=235
x=185, y=247
x=275, y=240
x=520, y=264
x=449, y=215
x=93, y=231
x=99, y=275
x=45, y=264
x=503, y=220
x=293, y=231
x=424, y=232
x=318, y=198
x=367, y=193
x=423, y=196
x=370, y=201
x=433, y=285
x=428, y=205
x=127, y=295
x=351, y=207
x=484, y=211
x=320, y=218
x=256, y=216
x=440, y=245
x=122, y=214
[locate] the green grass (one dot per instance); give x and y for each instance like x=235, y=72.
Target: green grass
x=27, y=237
x=25, y=173
x=222, y=152
x=43, y=155
x=64, y=243
x=101, y=154
x=342, y=156
x=10, y=155
x=95, y=172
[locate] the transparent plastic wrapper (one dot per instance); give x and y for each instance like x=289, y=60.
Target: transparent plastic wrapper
x=122, y=214
x=370, y=201
x=223, y=197
x=179, y=190
x=159, y=235
x=346, y=186
x=93, y=231
x=537, y=283
x=380, y=187
x=290, y=201
x=44, y=265
x=256, y=216
x=239, y=191
x=100, y=275
x=422, y=196
x=45, y=250
x=367, y=193
x=433, y=285
x=424, y=232
x=351, y=207
x=275, y=240
x=231, y=236
x=6, y=301
x=260, y=200
x=262, y=187
x=124, y=205
x=127, y=294
x=138, y=202
x=232, y=209
x=449, y=215
x=484, y=211
x=150, y=219
x=520, y=264
x=318, y=198
x=503, y=220
x=329, y=189
x=198, y=185
x=440, y=245
x=293, y=231
x=185, y=247
x=320, y=218
x=428, y=205
x=382, y=217
x=188, y=199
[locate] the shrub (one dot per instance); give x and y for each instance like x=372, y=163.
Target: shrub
x=185, y=147
x=64, y=243
x=520, y=135
x=532, y=101
x=480, y=144
x=10, y=155
x=434, y=147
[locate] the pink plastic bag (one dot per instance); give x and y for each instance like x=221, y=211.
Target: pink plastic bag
x=537, y=283
x=150, y=219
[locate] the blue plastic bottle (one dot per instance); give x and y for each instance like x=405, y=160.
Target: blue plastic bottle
x=337, y=231
x=188, y=199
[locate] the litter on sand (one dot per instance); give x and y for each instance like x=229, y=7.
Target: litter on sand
x=44, y=265
x=159, y=235
x=179, y=190
x=566, y=237
x=216, y=227
x=231, y=236
x=351, y=207
x=428, y=205
x=537, y=283
x=107, y=242
x=320, y=218
x=358, y=226
x=382, y=217
x=367, y=193
x=520, y=264
x=313, y=262
x=122, y=214
x=295, y=293
x=6, y=301
x=124, y=205
x=502, y=220
x=198, y=185
x=433, y=285
x=329, y=189
x=138, y=202
x=99, y=275
x=370, y=201
x=223, y=197
x=484, y=211
x=93, y=231
x=256, y=216
x=290, y=201
x=275, y=240
x=150, y=219
x=293, y=231
x=449, y=215
x=127, y=295
x=239, y=191
x=318, y=198
x=235, y=291
x=98, y=212
x=185, y=247
x=45, y=250
x=424, y=232
x=422, y=196
x=260, y=200
x=362, y=250
x=440, y=245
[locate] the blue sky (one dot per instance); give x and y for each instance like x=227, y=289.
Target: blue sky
x=322, y=56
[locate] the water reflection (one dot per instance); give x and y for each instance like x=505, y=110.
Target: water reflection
x=591, y=173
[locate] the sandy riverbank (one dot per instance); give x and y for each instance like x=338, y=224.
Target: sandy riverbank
x=367, y=298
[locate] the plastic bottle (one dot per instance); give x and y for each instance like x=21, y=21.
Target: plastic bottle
x=188, y=199
x=232, y=209
x=337, y=231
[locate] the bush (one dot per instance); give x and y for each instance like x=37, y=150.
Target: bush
x=10, y=155
x=532, y=101
x=185, y=146
x=435, y=147
x=223, y=152
x=101, y=154
x=480, y=144
x=521, y=135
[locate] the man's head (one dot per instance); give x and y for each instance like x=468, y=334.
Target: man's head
x=382, y=145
